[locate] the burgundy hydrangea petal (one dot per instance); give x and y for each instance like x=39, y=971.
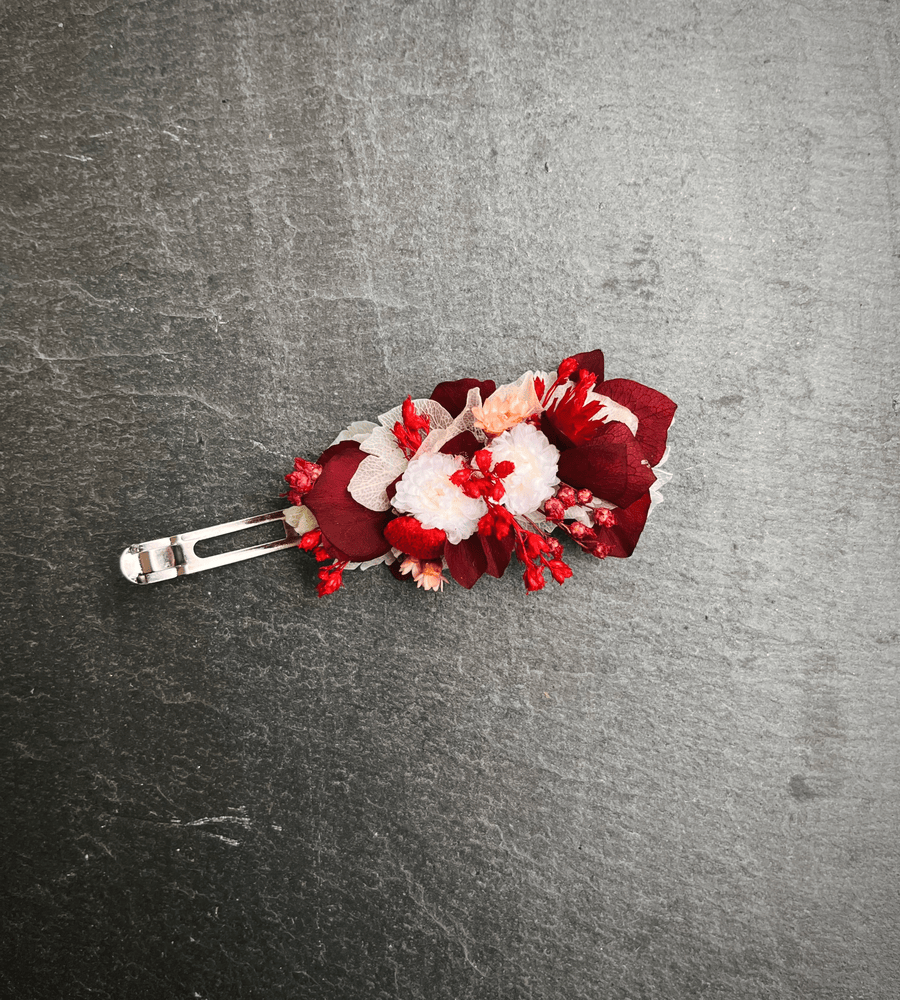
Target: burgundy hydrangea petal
x=335, y=449
x=498, y=553
x=395, y=570
x=452, y=395
x=334, y=551
x=353, y=529
x=623, y=536
x=591, y=361
x=463, y=444
x=611, y=465
x=653, y=410
x=553, y=434
x=466, y=561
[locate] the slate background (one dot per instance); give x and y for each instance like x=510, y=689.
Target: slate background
x=229, y=229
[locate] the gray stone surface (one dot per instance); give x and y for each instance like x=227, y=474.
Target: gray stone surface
x=230, y=228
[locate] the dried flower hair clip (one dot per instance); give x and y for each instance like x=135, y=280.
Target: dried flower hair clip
x=464, y=480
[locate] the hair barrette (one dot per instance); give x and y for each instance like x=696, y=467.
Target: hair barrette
x=462, y=481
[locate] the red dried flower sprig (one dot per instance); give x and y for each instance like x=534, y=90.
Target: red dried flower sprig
x=301, y=480
x=586, y=537
x=413, y=430
x=482, y=481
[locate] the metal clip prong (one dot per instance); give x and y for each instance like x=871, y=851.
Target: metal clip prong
x=165, y=558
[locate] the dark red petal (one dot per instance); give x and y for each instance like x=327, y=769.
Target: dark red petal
x=336, y=449
x=463, y=444
x=553, y=435
x=466, y=561
x=348, y=526
x=623, y=536
x=334, y=552
x=592, y=361
x=498, y=553
x=452, y=395
x=653, y=410
x=611, y=466
x=395, y=570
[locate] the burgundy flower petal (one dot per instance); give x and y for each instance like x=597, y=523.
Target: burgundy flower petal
x=395, y=570
x=497, y=553
x=553, y=434
x=463, y=444
x=334, y=450
x=348, y=526
x=653, y=410
x=623, y=536
x=592, y=361
x=611, y=465
x=466, y=561
x=335, y=552
x=452, y=395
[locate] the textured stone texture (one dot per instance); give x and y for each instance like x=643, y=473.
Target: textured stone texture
x=230, y=228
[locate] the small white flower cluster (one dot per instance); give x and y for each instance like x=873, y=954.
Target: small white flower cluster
x=426, y=492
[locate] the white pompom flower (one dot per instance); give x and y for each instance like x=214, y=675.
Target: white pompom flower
x=535, y=458
x=425, y=491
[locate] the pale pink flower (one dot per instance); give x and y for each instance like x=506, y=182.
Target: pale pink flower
x=427, y=573
x=507, y=406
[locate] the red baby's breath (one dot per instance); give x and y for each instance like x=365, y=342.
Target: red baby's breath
x=301, y=480
x=413, y=430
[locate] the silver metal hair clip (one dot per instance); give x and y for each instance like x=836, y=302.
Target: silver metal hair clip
x=166, y=558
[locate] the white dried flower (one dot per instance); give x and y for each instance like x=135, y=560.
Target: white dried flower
x=425, y=491
x=536, y=461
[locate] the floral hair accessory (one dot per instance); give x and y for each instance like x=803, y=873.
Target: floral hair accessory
x=461, y=482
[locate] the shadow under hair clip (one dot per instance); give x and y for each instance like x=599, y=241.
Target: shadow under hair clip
x=462, y=481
